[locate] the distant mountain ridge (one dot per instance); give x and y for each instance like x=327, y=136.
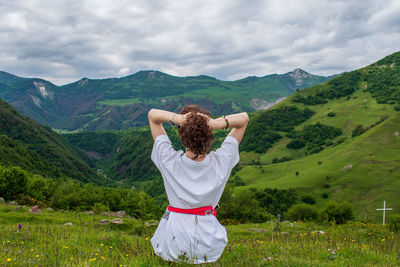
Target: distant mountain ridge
x=122, y=103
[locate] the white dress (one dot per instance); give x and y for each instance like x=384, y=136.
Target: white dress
x=191, y=184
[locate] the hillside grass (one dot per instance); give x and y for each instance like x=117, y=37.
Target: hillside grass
x=373, y=177
x=44, y=240
x=360, y=109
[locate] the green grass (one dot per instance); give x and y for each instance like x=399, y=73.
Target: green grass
x=374, y=177
x=44, y=240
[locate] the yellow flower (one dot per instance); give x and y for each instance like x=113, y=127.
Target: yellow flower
x=147, y=238
x=31, y=249
x=127, y=255
x=97, y=254
x=8, y=241
x=120, y=265
x=9, y=259
x=71, y=258
x=22, y=242
x=110, y=246
x=262, y=242
x=102, y=258
x=383, y=240
x=101, y=245
x=37, y=256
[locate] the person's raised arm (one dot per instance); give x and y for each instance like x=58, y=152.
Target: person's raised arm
x=158, y=116
x=237, y=121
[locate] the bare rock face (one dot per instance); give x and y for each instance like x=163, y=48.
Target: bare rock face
x=347, y=167
x=117, y=221
x=35, y=210
x=89, y=212
x=119, y=214
x=104, y=221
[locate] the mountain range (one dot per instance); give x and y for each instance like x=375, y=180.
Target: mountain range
x=334, y=141
x=122, y=103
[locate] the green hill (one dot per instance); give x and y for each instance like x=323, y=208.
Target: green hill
x=341, y=138
x=361, y=165
x=122, y=103
x=40, y=150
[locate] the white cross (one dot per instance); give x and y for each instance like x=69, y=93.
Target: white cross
x=384, y=209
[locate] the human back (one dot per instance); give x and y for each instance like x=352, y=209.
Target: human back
x=193, y=179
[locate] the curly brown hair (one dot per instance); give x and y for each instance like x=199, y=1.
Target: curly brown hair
x=195, y=133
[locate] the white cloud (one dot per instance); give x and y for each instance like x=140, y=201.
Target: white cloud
x=66, y=40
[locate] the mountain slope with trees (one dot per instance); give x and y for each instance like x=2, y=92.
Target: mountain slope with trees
x=122, y=103
x=40, y=150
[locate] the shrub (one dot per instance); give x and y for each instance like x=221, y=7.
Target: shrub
x=283, y=159
x=324, y=195
x=27, y=200
x=397, y=108
x=302, y=212
x=394, y=224
x=358, y=131
x=331, y=114
x=12, y=182
x=308, y=200
x=296, y=144
x=99, y=208
x=339, y=212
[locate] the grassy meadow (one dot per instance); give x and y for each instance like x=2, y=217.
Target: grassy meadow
x=44, y=240
x=374, y=175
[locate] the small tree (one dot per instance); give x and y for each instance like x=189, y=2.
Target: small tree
x=302, y=212
x=394, y=224
x=339, y=212
x=12, y=182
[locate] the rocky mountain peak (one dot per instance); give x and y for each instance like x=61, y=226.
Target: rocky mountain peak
x=299, y=75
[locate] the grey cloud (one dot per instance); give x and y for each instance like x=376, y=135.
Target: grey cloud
x=66, y=40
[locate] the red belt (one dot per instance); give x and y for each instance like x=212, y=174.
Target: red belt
x=196, y=211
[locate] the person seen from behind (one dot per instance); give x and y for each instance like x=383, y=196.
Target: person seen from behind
x=194, y=180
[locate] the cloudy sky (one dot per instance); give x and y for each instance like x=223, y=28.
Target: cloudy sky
x=63, y=41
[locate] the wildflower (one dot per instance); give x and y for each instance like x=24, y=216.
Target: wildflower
x=102, y=258
x=101, y=245
x=71, y=258
x=262, y=242
x=268, y=259
x=110, y=246
x=22, y=242
x=31, y=249
x=333, y=252
x=147, y=238
x=9, y=259
x=8, y=241
x=37, y=256
x=127, y=255
x=383, y=240
x=19, y=226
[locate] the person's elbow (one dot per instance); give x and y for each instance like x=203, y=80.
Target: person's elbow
x=245, y=117
x=150, y=115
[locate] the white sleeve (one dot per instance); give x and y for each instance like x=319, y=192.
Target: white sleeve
x=162, y=150
x=229, y=151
